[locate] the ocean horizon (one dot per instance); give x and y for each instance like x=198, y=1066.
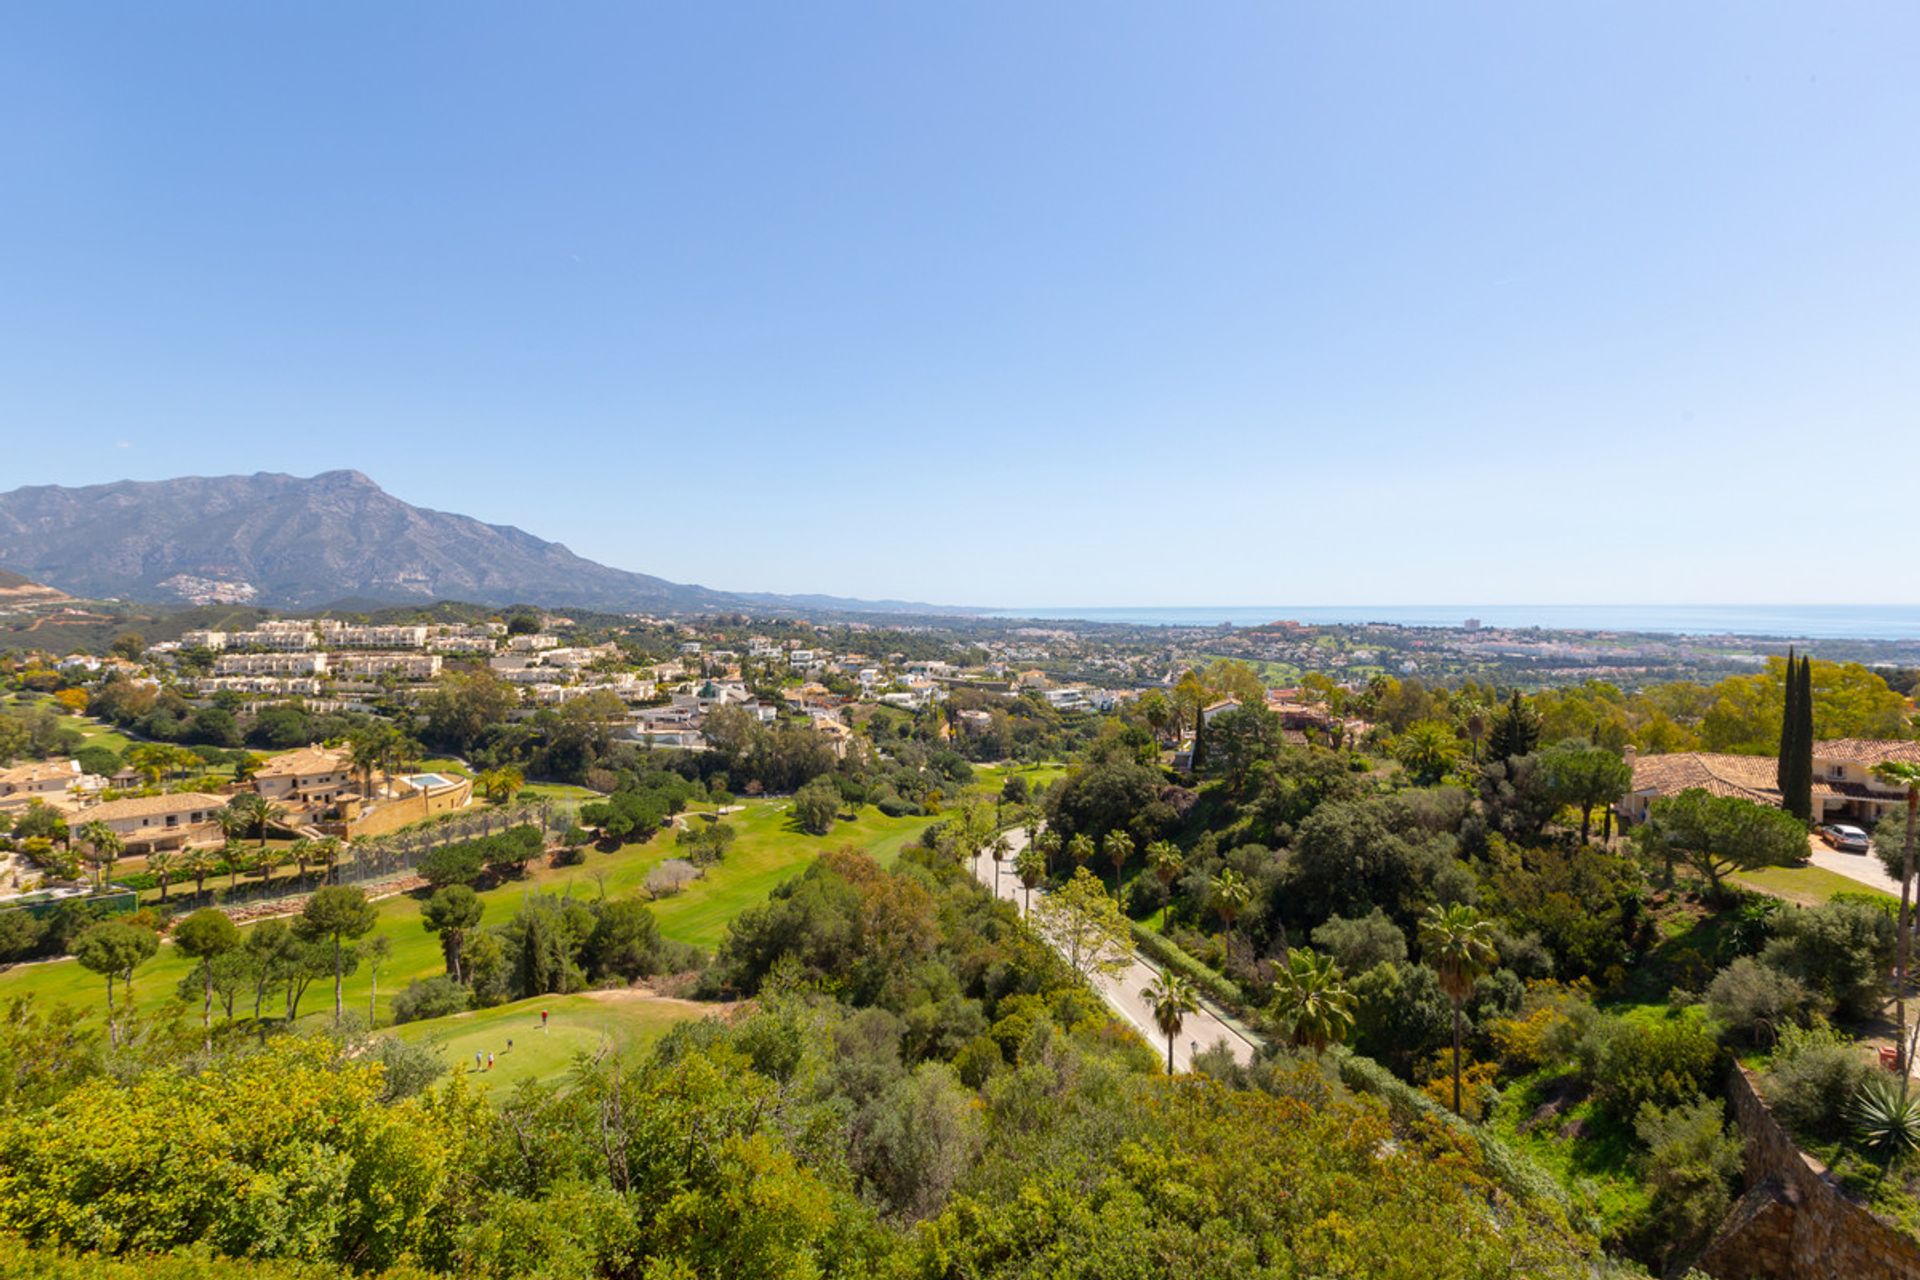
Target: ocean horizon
x=1781, y=621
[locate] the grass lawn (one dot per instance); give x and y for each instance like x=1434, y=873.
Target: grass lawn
x=584, y=1024
x=1809, y=886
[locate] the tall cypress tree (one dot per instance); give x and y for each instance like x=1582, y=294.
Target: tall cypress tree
x=1801, y=800
x=1788, y=721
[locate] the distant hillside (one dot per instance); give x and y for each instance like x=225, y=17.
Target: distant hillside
x=283, y=541
x=16, y=590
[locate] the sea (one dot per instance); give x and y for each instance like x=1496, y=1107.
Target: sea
x=1787, y=621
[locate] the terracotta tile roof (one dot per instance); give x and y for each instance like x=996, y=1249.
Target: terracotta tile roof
x=153, y=806
x=38, y=770
x=304, y=761
x=1748, y=777
x=1867, y=751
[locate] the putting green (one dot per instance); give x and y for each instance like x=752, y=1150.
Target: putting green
x=578, y=1026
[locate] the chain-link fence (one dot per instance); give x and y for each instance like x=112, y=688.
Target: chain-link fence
x=385, y=857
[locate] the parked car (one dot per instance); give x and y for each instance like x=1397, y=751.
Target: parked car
x=1846, y=839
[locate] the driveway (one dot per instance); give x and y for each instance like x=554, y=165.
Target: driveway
x=1202, y=1029
x=1864, y=867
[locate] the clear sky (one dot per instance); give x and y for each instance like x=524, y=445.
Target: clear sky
x=1012, y=304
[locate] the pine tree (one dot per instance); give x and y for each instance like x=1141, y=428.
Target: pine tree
x=1516, y=731
x=1199, y=738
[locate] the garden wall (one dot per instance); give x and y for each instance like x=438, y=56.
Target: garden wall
x=1794, y=1223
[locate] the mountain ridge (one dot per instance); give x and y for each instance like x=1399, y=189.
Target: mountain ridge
x=284, y=541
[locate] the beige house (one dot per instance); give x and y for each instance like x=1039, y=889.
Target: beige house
x=148, y=823
x=39, y=780
x=1844, y=788
x=309, y=776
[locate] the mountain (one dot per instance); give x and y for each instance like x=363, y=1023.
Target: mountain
x=288, y=542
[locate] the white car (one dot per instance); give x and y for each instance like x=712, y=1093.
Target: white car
x=1845, y=838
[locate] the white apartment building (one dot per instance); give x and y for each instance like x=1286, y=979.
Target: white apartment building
x=276, y=636
x=408, y=666
x=532, y=643
x=286, y=686
x=214, y=640
x=378, y=637
x=461, y=644
x=270, y=664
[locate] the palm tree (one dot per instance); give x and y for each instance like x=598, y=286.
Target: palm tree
x=151, y=761
x=327, y=851
x=1080, y=849
x=270, y=860
x=197, y=864
x=301, y=851
x=1476, y=725
x=1231, y=894
x=1458, y=946
x=238, y=858
x=1031, y=867
x=104, y=847
x=237, y=818
x=163, y=865
x=500, y=785
x=1165, y=859
x=1048, y=843
x=1903, y=773
x=1171, y=1000
x=1000, y=848
x=1310, y=993
x=1118, y=846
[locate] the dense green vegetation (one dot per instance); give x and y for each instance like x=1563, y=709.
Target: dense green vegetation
x=952, y=1102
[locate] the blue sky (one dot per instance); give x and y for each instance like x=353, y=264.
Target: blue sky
x=1006, y=304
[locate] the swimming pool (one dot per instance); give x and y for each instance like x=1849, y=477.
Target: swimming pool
x=429, y=781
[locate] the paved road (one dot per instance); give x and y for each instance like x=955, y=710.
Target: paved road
x=1864, y=867
x=1203, y=1029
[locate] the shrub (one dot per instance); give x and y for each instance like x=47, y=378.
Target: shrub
x=1547, y=1029
x=453, y=864
x=1813, y=1078
x=434, y=997
x=409, y=1067
x=1663, y=1064
x=1755, y=1001
x=815, y=807
x=1357, y=945
x=1842, y=950
x=670, y=877
x=1690, y=1164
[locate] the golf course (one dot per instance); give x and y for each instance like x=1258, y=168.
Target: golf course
x=768, y=849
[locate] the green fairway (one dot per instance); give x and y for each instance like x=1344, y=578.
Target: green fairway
x=768, y=851
x=587, y=1024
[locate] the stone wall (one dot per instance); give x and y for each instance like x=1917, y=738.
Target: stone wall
x=1794, y=1222
x=415, y=806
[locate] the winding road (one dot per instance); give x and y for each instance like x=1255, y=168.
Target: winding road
x=1203, y=1029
